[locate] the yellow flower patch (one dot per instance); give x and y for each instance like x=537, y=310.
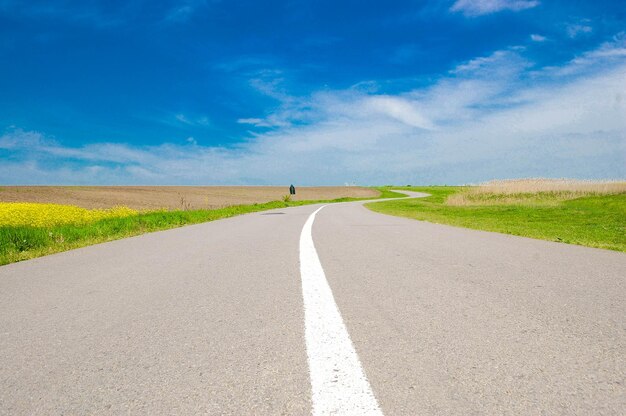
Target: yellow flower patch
x=47, y=215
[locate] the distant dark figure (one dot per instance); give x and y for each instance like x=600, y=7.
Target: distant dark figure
x=292, y=190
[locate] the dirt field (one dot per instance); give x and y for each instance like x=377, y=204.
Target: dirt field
x=171, y=197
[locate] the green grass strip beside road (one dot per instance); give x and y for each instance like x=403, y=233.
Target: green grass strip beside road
x=387, y=193
x=593, y=221
x=22, y=243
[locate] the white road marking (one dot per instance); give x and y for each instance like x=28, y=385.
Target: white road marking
x=338, y=382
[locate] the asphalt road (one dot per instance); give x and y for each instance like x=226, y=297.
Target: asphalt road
x=243, y=316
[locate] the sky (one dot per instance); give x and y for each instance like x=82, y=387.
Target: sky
x=195, y=92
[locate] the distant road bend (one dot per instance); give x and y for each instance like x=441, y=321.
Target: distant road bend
x=315, y=310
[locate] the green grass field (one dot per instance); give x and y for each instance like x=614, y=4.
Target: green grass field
x=594, y=220
x=22, y=243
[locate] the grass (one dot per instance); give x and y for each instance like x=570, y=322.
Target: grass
x=387, y=193
x=589, y=217
x=19, y=243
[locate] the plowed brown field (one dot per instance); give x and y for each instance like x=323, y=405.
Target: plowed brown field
x=172, y=197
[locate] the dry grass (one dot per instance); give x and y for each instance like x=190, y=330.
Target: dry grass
x=172, y=197
x=532, y=191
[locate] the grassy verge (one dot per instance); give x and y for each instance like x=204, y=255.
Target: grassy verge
x=387, y=193
x=594, y=220
x=21, y=242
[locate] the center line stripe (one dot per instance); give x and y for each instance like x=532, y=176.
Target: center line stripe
x=338, y=383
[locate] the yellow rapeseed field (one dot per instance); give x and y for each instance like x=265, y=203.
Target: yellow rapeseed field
x=47, y=215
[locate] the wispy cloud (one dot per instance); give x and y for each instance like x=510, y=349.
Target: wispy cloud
x=258, y=122
x=184, y=10
x=608, y=54
x=537, y=38
x=192, y=121
x=493, y=116
x=472, y=8
x=578, y=28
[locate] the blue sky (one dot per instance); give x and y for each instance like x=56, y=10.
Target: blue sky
x=311, y=92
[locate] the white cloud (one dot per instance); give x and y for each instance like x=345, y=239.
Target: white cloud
x=255, y=121
x=182, y=119
x=472, y=8
x=502, y=63
x=491, y=117
x=399, y=109
x=20, y=139
x=575, y=30
x=608, y=53
x=538, y=38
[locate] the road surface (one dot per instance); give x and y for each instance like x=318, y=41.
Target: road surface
x=346, y=311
